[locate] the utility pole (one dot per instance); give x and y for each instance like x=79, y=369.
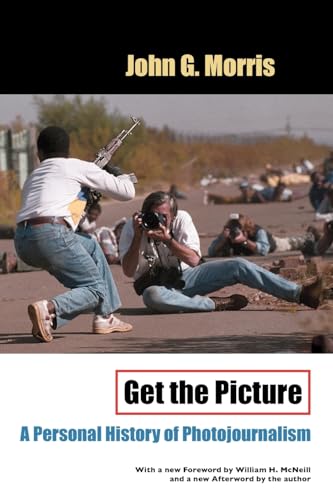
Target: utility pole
x=288, y=126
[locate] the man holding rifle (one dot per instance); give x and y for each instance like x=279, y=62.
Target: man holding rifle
x=54, y=198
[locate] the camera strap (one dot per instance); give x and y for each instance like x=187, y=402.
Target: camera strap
x=162, y=259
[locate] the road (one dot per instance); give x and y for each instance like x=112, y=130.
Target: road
x=264, y=326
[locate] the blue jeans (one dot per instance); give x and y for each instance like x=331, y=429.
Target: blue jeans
x=212, y=276
x=77, y=261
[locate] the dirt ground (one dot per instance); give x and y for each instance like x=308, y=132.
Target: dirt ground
x=266, y=325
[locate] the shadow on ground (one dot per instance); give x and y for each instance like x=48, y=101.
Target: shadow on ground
x=23, y=338
x=275, y=343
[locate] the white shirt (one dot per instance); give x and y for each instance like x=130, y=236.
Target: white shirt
x=183, y=230
x=88, y=227
x=55, y=189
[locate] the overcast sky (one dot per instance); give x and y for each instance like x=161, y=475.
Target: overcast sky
x=209, y=114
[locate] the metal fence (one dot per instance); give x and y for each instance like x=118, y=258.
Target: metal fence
x=18, y=152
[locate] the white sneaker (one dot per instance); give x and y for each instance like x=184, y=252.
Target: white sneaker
x=41, y=320
x=110, y=324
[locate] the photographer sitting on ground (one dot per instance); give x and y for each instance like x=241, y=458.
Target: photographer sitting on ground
x=162, y=235
x=241, y=236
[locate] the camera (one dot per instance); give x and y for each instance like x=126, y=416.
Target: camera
x=235, y=229
x=234, y=226
x=330, y=226
x=152, y=220
x=234, y=232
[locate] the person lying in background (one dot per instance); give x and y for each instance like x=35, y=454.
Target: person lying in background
x=88, y=224
x=250, y=195
x=11, y=263
x=107, y=237
x=274, y=176
x=242, y=236
x=269, y=193
x=304, y=167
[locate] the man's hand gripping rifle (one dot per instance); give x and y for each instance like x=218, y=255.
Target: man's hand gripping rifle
x=105, y=154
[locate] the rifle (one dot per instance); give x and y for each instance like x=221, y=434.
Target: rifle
x=104, y=155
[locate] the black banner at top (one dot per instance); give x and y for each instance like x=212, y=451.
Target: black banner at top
x=218, y=69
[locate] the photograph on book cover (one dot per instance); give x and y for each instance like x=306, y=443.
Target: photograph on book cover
x=215, y=258
x=228, y=224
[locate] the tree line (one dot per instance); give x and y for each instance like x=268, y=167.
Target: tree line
x=160, y=157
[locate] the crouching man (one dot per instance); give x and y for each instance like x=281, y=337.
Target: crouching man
x=53, y=200
x=160, y=248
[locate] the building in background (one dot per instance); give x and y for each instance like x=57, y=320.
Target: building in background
x=18, y=152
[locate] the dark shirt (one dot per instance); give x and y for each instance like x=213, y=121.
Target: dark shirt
x=316, y=195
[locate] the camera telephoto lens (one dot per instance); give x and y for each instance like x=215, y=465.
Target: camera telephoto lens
x=234, y=232
x=152, y=220
x=235, y=229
